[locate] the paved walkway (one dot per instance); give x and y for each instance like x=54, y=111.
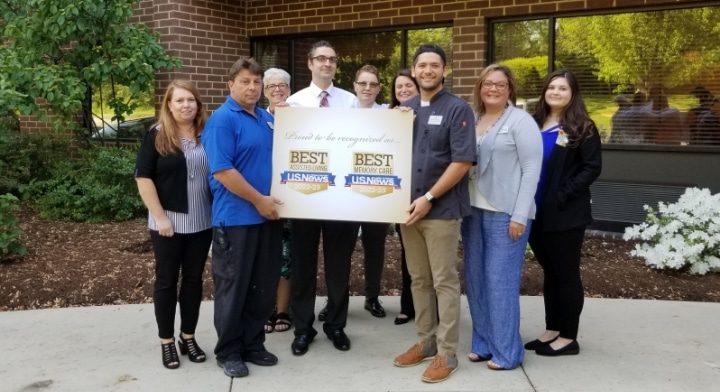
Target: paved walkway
x=626, y=345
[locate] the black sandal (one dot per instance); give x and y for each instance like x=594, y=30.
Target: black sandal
x=190, y=347
x=284, y=320
x=170, y=357
x=270, y=325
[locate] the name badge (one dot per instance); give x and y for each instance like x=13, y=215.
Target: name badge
x=435, y=120
x=504, y=129
x=271, y=125
x=562, y=139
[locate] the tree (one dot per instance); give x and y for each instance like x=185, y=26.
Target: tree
x=529, y=74
x=58, y=51
x=527, y=38
x=645, y=49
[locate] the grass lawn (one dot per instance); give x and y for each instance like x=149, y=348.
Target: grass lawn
x=140, y=112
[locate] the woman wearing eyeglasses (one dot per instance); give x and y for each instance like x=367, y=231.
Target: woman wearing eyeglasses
x=277, y=90
x=495, y=234
x=372, y=234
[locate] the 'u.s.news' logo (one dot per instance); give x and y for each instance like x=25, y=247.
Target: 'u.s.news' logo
x=372, y=174
x=308, y=171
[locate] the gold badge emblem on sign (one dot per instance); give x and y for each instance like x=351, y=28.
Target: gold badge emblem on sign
x=372, y=174
x=308, y=171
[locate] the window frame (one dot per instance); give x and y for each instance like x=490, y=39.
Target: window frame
x=289, y=38
x=552, y=20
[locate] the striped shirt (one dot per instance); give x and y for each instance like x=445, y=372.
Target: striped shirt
x=199, y=213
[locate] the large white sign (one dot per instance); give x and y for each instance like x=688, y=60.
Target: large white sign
x=342, y=164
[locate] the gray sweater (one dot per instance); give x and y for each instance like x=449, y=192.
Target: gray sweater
x=508, y=166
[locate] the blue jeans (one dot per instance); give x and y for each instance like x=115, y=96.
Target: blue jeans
x=493, y=266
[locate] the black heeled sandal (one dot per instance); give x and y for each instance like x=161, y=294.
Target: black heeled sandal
x=191, y=348
x=169, y=355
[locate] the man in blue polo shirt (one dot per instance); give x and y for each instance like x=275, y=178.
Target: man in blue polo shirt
x=246, y=247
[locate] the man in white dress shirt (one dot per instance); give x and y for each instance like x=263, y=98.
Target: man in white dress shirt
x=339, y=237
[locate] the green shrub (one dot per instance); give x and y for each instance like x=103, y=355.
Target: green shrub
x=9, y=120
x=24, y=158
x=97, y=187
x=10, y=241
x=529, y=74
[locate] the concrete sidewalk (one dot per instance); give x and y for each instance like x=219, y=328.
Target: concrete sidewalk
x=626, y=345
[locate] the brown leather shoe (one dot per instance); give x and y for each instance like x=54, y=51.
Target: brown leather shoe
x=441, y=368
x=416, y=354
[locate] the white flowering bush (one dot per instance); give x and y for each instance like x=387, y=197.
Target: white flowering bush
x=682, y=236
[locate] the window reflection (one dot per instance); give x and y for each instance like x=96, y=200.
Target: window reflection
x=647, y=77
x=382, y=49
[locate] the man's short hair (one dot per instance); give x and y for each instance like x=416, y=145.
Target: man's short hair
x=248, y=63
x=319, y=44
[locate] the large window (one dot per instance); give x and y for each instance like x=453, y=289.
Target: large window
x=389, y=51
x=647, y=78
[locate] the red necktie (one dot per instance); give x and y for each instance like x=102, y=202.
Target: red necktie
x=323, y=100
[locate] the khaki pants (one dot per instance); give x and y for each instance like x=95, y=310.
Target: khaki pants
x=431, y=247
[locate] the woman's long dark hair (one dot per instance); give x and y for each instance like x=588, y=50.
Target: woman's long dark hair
x=575, y=119
x=403, y=72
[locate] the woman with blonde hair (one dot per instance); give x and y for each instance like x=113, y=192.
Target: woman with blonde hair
x=494, y=236
x=172, y=177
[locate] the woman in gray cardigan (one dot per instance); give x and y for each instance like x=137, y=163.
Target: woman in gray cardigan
x=502, y=190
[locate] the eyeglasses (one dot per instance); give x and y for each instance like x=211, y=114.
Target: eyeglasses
x=502, y=86
x=323, y=59
x=365, y=84
x=281, y=86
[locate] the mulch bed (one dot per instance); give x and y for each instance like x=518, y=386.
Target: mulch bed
x=81, y=264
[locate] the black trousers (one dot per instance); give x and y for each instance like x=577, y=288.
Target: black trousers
x=186, y=253
x=407, y=306
x=246, y=270
x=373, y=241
x=559, y=256
x=339, y=238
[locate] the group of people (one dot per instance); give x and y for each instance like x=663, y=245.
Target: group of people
x=647, y=118
x=489, y=173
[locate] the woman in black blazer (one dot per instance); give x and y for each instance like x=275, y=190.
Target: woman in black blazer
x=172, y=177
x=571, y=162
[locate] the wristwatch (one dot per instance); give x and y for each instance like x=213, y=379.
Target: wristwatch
x=430, y=197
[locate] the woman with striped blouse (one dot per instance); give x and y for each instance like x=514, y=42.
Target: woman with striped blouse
x=172, y=177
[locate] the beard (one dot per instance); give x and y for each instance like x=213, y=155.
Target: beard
x=431, y=85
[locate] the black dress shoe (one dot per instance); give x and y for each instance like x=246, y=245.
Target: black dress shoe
x=260, y=357
x=403, y=320
x=572, y=348
x=339, y=339
x=323, y=313
x=373, y=306
x=537, y=343
x=233, y=368
x=300, y=344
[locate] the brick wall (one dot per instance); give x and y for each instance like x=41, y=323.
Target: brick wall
x=208, y=36
x=468, y=17
x=33, y=125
